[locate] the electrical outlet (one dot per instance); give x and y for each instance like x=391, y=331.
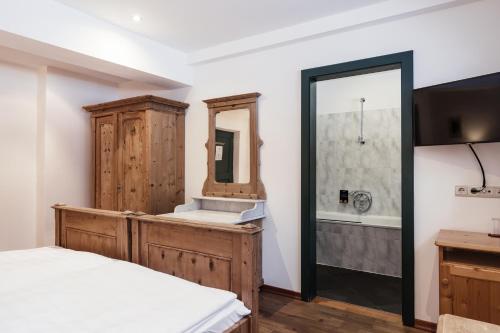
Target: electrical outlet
x=461, y=190
x=490, y=192
x=487, y=192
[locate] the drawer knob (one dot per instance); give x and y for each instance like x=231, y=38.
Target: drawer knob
x=445, y=282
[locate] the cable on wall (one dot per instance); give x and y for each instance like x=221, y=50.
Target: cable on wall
x=477, y=190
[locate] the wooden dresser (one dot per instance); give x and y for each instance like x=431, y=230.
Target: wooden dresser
x=138, y=154
x=469, y=275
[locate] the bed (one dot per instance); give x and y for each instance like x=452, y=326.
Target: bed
x=107, y=273
x=61, y=290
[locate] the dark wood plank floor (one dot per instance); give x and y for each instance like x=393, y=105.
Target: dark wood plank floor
x=280, y=314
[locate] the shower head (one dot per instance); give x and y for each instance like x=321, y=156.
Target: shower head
x=361, y=139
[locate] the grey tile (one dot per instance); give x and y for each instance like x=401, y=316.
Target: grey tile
x=344, y=164
x=376, y=167
x=371, y=249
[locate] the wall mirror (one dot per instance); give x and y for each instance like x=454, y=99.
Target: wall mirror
x=233, y=144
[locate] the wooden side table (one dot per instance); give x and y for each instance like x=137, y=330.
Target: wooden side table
x=469, y=275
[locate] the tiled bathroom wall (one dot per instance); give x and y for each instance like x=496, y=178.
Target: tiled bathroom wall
x=343, y=163
x=359, y=247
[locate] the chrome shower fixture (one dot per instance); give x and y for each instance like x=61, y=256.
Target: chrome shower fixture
x=362, y=201
x=361, y=139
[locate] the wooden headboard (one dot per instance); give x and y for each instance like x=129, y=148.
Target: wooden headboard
x=214, y=255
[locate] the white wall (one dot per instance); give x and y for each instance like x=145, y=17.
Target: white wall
x=67, y=163
x=437, y=170
x=134, y=88
x=381, y=90
x=18, y=98
x=449, y=44
x=45, y=144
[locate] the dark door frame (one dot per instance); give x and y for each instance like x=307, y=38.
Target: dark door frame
x=404, y=61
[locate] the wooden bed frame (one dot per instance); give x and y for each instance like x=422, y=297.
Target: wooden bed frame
x=214, y=255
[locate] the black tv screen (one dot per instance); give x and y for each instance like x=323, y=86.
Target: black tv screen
x=465, y=111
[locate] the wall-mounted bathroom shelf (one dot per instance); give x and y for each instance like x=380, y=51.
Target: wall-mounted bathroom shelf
x=219, y=210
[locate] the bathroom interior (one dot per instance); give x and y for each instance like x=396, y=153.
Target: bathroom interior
x=358, y=175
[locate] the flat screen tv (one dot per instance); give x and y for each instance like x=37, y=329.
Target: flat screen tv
x=465, y=111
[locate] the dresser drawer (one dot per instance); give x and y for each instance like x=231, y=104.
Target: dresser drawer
x=470, y=292
x=474, y=272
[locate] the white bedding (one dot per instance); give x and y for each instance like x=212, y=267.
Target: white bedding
x=60, y=290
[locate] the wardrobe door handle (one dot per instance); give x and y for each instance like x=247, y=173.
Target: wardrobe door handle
x=119, y=188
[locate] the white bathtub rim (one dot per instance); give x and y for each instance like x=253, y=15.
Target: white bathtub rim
x=392, y=222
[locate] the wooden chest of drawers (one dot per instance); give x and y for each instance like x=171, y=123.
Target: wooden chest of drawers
x=469, y=275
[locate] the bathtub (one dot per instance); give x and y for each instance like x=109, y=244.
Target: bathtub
x=367, y=243
x=367, y=220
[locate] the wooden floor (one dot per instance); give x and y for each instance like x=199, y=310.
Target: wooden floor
x=280, y=314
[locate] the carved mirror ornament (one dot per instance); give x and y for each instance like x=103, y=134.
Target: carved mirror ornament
x=233, y=148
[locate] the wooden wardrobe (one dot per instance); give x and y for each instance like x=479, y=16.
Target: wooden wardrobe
x=138, y=154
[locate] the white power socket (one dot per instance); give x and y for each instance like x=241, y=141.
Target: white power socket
x=487, y=192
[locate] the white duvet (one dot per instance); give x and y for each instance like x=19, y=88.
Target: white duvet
x=60, y=290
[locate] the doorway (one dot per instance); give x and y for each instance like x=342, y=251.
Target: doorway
x=357, y=183
x=224, y=151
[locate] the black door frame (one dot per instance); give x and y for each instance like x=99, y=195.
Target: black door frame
x=404, y=61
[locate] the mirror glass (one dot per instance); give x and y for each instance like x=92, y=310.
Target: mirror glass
x=232, y=146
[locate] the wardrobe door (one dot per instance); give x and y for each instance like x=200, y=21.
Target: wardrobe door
x=133, y=167
x=166, y=183
x=105, y=168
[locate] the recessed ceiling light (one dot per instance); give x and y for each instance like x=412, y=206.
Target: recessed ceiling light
x=137, y=18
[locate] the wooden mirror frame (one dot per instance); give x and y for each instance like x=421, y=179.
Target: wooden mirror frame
x=254, y=189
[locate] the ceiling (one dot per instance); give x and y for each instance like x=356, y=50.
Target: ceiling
x=190, y=25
